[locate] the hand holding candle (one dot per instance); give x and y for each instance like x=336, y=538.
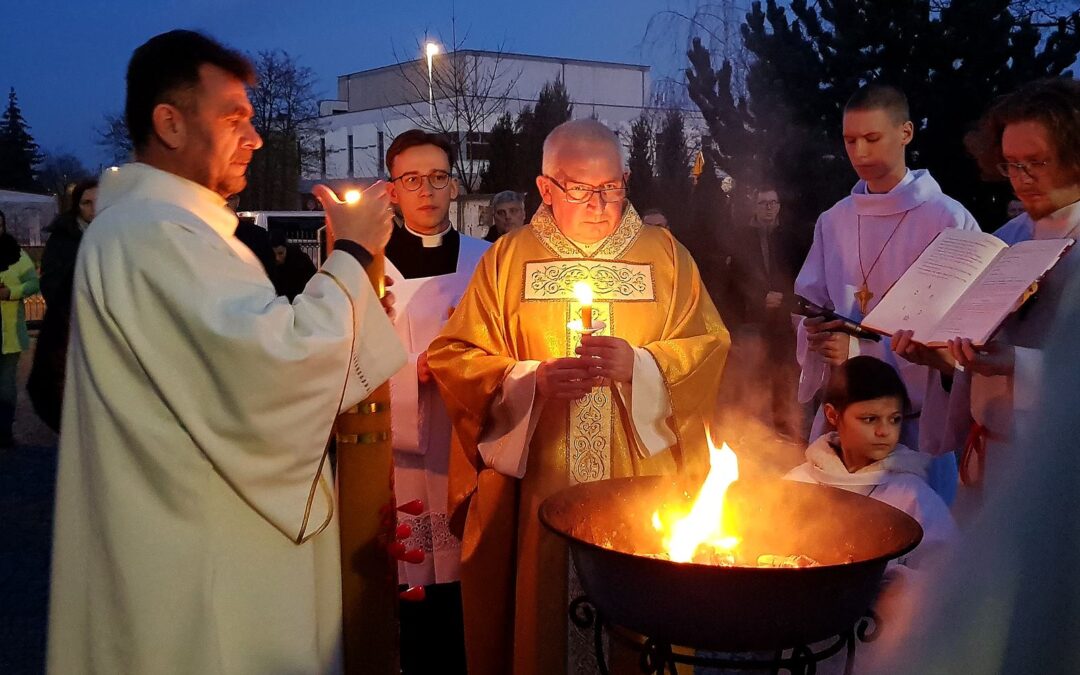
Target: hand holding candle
x=364, y=217
x=610, y=358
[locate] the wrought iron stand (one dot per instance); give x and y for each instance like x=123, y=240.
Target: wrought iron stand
x=658, y=656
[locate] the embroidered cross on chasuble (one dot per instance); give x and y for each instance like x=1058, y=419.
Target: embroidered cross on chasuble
x=590, y=423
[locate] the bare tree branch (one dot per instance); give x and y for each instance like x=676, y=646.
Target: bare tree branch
x=466, y=94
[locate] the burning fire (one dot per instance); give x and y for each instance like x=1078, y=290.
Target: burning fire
x=704, y=527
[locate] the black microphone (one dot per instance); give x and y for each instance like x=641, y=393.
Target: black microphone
x=804, y=307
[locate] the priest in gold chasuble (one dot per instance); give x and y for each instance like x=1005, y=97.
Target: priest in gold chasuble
x=537, y=408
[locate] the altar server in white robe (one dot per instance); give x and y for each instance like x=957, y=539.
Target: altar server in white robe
x=431, y=264
x=195, y=527
x=861, y=247
x=1030, y=137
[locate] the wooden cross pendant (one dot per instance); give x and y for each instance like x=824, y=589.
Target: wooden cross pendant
x=863, y=297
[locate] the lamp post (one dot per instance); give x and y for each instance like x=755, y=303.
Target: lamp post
x=431, y=49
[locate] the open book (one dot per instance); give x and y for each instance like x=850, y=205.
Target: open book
x=963, y=285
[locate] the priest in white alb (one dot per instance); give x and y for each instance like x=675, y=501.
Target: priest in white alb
x=195, y=528
x=536, y=407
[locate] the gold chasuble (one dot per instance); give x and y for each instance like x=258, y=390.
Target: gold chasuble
x=647, y=290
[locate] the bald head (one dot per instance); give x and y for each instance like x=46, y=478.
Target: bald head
x=578, y=138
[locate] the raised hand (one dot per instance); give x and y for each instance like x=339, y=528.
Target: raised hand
x=368, y=221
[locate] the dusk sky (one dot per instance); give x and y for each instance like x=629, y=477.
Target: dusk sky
x=66, y=58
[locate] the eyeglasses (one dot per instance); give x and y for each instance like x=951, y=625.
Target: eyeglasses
x=581, y=194
x=412, y=181
x=769, y=204
x=1014, y=169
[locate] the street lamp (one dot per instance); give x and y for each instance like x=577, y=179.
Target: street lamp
x=431, y=49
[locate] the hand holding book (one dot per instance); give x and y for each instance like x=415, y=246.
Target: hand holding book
x=964, y=285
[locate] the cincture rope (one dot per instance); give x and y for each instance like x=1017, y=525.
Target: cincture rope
x=973, y=458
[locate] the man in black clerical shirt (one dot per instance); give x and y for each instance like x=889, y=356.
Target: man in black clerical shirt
x=431, y=264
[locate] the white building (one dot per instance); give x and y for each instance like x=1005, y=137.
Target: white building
x=375, y=105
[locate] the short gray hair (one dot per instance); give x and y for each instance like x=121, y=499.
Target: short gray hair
x=507, y=196
x=583, y=131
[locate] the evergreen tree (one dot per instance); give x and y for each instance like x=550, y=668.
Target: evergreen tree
x=19, y=154
x=710, y=220
x=640, y=163
x=553, y=107
x=951, y=57
x=501, y=172
x=673, y=172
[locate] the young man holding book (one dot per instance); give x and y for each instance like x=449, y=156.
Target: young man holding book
x=865, y=242
x=1032, y=137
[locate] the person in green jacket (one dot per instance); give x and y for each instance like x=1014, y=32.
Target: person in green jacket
x=18, y=279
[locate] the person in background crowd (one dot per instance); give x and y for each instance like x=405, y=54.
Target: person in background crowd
x=508, y=214
x=254, y=237
x=654, y=217
x=45, y=386
x=18, y=279
x=764, y=261
x=292, y=268
x=1014, y=208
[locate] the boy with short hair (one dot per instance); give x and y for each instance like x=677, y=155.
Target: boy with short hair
x=865, y=402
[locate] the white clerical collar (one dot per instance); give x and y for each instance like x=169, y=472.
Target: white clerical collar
x=429, y=240
x=1060, y=224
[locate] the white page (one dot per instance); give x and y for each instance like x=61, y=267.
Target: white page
x=923, y=295
x=993, y=297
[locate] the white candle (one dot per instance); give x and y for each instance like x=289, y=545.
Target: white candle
x=584, y=295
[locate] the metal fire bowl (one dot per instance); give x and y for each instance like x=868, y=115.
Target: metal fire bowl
x=608, y=526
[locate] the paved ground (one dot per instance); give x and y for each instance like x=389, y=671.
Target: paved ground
x=27, y=475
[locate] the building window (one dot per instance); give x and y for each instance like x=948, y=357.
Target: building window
x=477, y=146
x=322, y=157
x=381, y=160
x=350, y=156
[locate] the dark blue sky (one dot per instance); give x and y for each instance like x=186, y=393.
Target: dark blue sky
x=66, y=58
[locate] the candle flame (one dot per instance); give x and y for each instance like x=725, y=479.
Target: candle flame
x=352, y=196
x=583, y=292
